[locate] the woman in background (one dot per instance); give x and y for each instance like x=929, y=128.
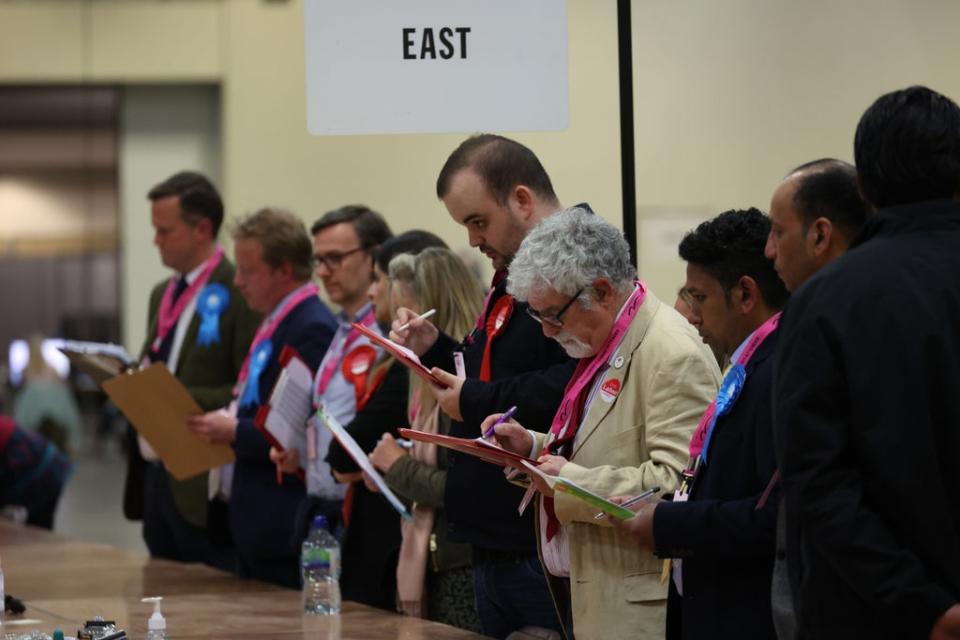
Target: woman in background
x=434, y=576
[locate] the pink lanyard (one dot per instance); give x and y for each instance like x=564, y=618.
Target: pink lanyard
x=269, y=324
x=756, y=339
x=585, y=375
x=332, y=360
x=170, y=312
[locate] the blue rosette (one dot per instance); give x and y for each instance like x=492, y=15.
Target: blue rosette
x=258, y=362
x=212, y=301
x=727, y=396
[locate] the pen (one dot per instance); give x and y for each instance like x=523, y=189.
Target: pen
x=424, y=316
x=503, y=418
x=404, y=443
x=279, y=474
x=634, y=500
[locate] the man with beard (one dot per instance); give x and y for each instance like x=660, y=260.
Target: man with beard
x=642, y=381
x=499, y=191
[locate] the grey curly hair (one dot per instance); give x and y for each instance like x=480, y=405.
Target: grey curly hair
x=568, y=252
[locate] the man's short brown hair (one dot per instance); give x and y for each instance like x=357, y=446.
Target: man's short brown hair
x=283, y=237
x=199, y=199
x=501, y=163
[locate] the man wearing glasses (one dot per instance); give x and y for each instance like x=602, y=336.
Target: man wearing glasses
x=344, y=243
x=642, y=381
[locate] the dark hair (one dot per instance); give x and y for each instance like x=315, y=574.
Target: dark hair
x=907, y=148
x=828, y=189
x=413, y=241
x=731, y=246
x=283, y=238
x=371, y=229
x=501, y=163
x=198, y=198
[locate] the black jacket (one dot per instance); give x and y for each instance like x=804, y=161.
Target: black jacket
x=867, y=412
x=528, y=370
x=371, y=542
x=726, y=544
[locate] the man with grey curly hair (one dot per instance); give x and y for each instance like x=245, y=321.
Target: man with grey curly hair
x=567, y=254
x=643, y=380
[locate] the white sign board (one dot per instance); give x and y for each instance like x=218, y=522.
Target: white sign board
x=419, y=66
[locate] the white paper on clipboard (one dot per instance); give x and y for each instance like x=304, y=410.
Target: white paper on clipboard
x=358, y=455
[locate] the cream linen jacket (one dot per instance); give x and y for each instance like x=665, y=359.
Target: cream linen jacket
x=636, y=440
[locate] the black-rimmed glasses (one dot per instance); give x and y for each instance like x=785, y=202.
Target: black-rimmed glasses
x=554, y=319
x=334, y=259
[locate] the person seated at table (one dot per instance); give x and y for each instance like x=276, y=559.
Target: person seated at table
x=642, y=382
x=33, y=473
x=434, y=575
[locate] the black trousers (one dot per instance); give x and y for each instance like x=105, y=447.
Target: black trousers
x=167, y=534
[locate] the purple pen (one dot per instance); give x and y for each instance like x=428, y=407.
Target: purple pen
x=503, y=418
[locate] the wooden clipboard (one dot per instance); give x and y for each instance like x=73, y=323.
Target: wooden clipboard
x=158, y=405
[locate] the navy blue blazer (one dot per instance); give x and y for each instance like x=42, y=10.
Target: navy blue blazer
x=726, y=544
x=261, y=512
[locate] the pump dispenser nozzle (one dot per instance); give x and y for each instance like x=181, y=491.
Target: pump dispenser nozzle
x=157, y=624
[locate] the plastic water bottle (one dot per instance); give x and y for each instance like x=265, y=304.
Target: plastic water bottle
x=320, y=569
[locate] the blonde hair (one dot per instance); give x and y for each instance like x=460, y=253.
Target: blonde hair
x=439, y=279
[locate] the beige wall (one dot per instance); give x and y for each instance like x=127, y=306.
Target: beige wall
x=269, y=157
x=164, y=129
x=729, y=96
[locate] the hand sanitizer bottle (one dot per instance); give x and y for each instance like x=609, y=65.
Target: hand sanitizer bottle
x=157, y=625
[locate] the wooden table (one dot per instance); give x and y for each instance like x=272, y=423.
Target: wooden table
x=64, y=582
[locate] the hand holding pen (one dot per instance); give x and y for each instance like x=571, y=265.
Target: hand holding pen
x=422, y=316
x=631, y=501
x=503, y=418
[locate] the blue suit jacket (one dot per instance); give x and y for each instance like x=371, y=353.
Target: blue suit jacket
x=261, y=511
x=726, y=544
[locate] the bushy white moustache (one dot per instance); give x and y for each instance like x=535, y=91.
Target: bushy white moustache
x=574, y=347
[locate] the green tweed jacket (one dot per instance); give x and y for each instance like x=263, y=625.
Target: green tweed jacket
x=208, y=372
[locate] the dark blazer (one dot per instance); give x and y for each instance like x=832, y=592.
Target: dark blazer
x=867, y=415
x=725, y=543
x=529, y=370
x=209, y=373
x=262, y=512
x=371, y=542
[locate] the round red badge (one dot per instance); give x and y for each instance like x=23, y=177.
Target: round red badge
x=609, y=390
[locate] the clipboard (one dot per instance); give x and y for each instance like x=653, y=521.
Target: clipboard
x=99, y=360
x=477, y=447
x=571, y=488
x=363, y=461
x=157, y=405
x=403, y=355
x=283, y=419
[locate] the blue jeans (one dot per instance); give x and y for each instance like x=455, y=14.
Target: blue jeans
x=512, y=594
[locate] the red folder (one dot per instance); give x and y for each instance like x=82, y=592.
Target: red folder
x=402, y=355
x=478, y=447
